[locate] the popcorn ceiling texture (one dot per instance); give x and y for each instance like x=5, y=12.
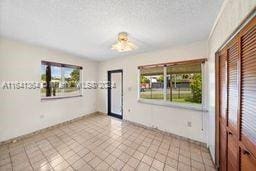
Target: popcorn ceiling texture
x=89, y=27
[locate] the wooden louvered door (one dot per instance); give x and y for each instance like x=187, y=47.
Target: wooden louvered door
x=232, y=101
x=223, y=108
x=236, y=109
x=248, y=97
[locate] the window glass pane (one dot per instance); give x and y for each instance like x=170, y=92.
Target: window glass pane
x=62, y=81
x=56, y=81
x=184, y=83
x=43, y=80
x=152, y=83
x=72, y=78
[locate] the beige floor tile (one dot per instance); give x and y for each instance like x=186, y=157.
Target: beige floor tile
x=110, y=159
x=183, y=167
x=83, y=152
x=143, y=167
x=88, y=157
x=7, y=167
x=85, y=167
x=103, y=155
x=118, y=164
x=62, y=166
x=124, y=157
x=158, y=165
x=172, y=162
x=95, y=162
x=208, y=168
x=102, y=166
x=142, y=149
x=151, y=152
x=169, y=168
x=5, y=161
x=78, y=164
x=73, y=159
x=133, y=162
x=103, y=143
x=46, y=167
x=160, y=157
x=69, y=169
x=138, y=155
x=147, y=159
x=184, y=160
x=128, y=168
x=197, y=165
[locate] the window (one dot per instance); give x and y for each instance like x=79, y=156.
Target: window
x=60, y=80
x=179, y=82
x=152, y=83
x=184, y=83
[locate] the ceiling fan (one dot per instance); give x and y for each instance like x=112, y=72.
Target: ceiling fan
x=123, y=45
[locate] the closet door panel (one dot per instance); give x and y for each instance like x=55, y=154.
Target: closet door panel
x=248, y=90
x=232, y=153
x=223, y=147
x=223, y=109
x=223, y=86
x=248, y=162
x=233, y=61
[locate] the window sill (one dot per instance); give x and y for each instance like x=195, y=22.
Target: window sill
x=59, y=97
x=196, y=107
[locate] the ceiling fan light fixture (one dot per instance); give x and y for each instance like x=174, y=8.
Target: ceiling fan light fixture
x=123, y=45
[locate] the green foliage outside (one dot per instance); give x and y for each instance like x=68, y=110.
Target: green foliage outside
x=144, y=79
x=196, y=87
x=160, y=79
x=43, y=77
x=75, y=76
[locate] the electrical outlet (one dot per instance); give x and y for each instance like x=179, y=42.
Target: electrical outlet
x=41, y=116
x=189, y=124
x=129, y=110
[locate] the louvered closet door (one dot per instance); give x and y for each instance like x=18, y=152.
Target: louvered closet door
x=248, y=90
x=223, y=86
x=237, y=146
x=223, y=109
x=232, y=136
x=233, y=56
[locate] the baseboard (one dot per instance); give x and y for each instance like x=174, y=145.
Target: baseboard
x=168, y=133
x=165, y=132
x=13, y=140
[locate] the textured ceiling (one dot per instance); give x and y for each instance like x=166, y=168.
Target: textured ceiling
x=89, y=27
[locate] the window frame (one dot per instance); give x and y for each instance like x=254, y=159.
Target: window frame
x=62, y=65
x=164, y=101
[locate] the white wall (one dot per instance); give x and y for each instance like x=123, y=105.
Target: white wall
x=231, y=16
x=170, y=119
x=20, y=110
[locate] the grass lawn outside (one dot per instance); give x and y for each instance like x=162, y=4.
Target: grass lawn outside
x=181, y=96
x=62, y=92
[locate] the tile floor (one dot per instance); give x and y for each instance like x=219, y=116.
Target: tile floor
x=99, y=142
